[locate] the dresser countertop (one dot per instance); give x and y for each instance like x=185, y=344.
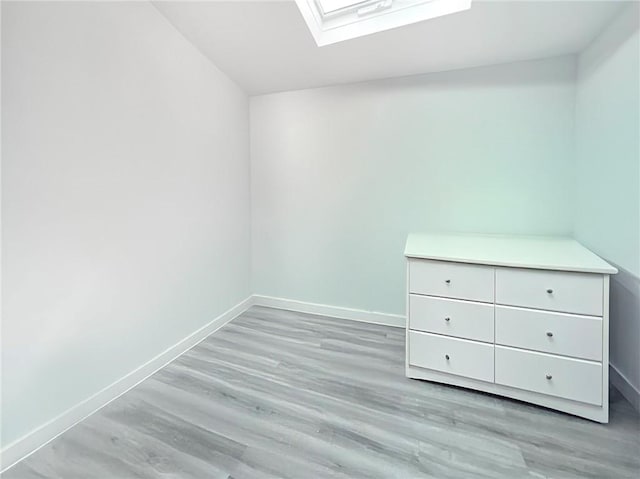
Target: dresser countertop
x=535, y=252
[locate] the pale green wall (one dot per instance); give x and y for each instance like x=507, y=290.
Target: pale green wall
x=608, y=143
x=340, y=175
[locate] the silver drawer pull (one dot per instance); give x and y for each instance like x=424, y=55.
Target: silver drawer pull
x=448, y=281
x=549, y=376
x=447, y=319
x=550, y=334
x=550, y=291
x=446, y=356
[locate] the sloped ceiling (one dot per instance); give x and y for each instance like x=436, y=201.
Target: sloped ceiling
x=265, y=46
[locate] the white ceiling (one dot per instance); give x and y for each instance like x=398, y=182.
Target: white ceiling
x=266, y=47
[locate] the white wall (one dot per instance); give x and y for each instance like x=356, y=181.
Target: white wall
x=608, y=175
x=125, y=200
x=340, y=175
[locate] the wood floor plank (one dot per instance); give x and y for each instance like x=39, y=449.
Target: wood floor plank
x=278, y=394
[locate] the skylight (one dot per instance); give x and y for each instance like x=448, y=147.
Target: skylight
x=332, y=21
x=330, y=6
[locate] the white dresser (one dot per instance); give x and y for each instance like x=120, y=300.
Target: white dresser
x=523, y=317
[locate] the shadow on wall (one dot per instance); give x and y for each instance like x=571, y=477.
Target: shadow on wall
x=625, y=333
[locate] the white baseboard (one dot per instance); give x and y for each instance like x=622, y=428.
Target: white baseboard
x=624, y=334
x=622, y=384
x=386, y=319
x=31, y=442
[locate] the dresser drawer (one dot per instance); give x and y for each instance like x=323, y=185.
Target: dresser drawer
x=579, y=293
x=451, y=280
x=462, y=319
x=451, y=355
x=567, y=378
x=556, y=333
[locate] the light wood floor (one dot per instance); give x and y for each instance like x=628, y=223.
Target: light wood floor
x=276, y=394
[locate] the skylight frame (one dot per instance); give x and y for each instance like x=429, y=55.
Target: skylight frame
x=346, y=4
x=345, y=23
